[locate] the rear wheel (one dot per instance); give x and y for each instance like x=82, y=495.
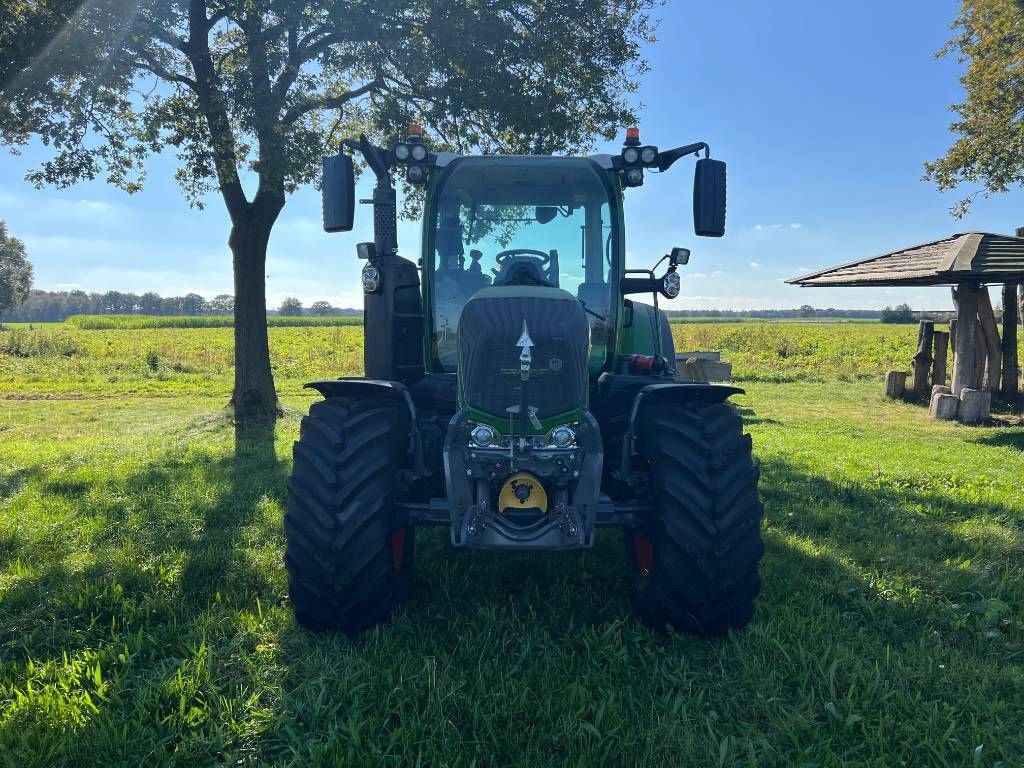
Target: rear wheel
x=693, y=561
x=349, y=560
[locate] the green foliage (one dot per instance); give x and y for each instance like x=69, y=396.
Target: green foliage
x=902, y=314
x=271, y=87
x=290, y=307
x=145, y=618
x=15, y=271
x=989, y=39
x=803, y=351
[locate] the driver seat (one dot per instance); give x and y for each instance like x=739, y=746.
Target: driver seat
x=524, y=270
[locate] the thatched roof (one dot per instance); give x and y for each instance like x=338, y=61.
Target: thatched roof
x=971, y=256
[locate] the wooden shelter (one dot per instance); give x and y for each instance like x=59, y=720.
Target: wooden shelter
x=968, y=262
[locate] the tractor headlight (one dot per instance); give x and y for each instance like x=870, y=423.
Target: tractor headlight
x=402, y=152
x=483, y=436
x=371, y=279
x=419, y=152
x=634, y=177
x=648, y=155
x=416, y=174
x=672, y=284
x=562, y=437
x=630, y=155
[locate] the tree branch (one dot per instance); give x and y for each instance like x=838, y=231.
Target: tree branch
x=330, y=102
x=150, y=64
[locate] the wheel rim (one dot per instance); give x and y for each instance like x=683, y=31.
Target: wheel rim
x=643, y=551
x=398, y=547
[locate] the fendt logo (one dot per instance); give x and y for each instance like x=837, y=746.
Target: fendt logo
x=525, y=344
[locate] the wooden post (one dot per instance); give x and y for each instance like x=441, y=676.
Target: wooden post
x=952, y=334
x=981, y=361
x=993, y=350
x=939, y=366
x=975, y=405
x=895, y=384
x=943, y=406
x=922, y=362
x=965, y=359
x=1011, y=371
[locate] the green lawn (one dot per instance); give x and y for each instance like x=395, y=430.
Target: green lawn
x=143, y=617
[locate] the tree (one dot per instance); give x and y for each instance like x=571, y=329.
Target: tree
x=251, y=95
x=902, y=314
x=290, y=307
x=320, y=308
x=15, y=271
x=193, y=304
x=989, y=39
x=222, y=304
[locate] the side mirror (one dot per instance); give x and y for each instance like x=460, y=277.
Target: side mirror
x=709, y=198
x=339, y=193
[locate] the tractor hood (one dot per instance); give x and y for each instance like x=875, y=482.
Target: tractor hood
x=517, y=336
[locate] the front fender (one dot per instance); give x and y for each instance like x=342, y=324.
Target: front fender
x=357, y=387
x=673, y=392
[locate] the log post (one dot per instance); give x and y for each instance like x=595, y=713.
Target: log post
x=939, y=365
x=944, y=406
x=1011, y=370
x=993, y=349
x=975, y=405
x=895, y=384
x=922, y=362
x=965, y=358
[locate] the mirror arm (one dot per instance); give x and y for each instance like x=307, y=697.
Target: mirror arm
x=669, y=156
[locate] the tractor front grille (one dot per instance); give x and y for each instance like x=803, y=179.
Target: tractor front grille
x=489, y=365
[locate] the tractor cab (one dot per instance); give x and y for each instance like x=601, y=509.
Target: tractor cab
x=547, y=222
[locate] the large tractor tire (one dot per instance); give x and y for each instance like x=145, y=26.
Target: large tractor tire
x=693, y=561
x=349, y=559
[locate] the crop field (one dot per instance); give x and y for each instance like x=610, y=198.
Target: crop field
x=144, y=617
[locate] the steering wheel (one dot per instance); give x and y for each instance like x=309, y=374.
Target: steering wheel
x=503, y=256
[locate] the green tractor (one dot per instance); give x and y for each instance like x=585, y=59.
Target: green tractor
x=515, y=395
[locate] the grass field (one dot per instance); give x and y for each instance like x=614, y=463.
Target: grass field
x=143, y=617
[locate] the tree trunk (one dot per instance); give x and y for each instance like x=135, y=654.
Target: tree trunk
x=254, y=397
x=1011, y=370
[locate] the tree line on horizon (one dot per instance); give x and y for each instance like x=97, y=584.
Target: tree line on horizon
x=57, y=306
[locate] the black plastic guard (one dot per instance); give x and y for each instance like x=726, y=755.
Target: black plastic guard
x=357, y=387
x=674, y=392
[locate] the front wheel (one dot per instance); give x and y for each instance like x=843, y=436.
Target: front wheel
x=348, y=557
x=694, y=560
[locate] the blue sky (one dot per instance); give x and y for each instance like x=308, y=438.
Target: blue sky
x=825, y=113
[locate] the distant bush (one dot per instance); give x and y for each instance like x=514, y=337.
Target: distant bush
x=22, y=342
x=902, y=314
x=135, y=322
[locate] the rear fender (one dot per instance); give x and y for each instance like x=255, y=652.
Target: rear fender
x=672, y=393
x=381, y=388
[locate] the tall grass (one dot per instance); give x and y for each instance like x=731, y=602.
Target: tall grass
x=136, y=322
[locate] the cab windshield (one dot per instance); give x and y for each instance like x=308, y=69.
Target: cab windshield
x=520, y=221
